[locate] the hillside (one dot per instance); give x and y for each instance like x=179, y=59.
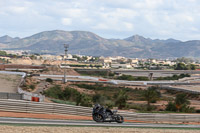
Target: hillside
x=88, y=43
x=8, y=39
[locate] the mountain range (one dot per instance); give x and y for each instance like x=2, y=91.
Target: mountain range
x=88, y=43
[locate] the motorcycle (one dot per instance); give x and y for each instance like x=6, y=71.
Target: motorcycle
x=101, y=114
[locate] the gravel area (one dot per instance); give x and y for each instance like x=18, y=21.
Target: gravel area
x=48, y=129
x=9, y=83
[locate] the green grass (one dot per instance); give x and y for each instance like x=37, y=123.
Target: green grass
x=160, y=112
x=63, y=102
x=50, y=125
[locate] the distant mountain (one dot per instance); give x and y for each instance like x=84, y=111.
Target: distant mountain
x=8, y=39
x=88, y=43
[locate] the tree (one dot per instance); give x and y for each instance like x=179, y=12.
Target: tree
x=180, y=66
x=3, y=53
x=180, y=101
x=121, y=99
x=180, y=104
x=192, y=67
x=170, y=106
x=184, y=60
x=151, y=95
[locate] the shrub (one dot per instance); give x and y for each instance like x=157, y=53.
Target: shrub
x=54, y=92
x=140, y=107
x=131, y=78
x=49, y=80
x=171, y=106
x=69, y=94
x=174, y=77
x=32, y=86
x=97, y=98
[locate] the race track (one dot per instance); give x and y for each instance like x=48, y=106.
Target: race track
x=31, y=121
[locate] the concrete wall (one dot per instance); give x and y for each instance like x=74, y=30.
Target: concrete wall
x=4, y=95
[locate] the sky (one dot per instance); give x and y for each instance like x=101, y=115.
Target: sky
x=119, y=19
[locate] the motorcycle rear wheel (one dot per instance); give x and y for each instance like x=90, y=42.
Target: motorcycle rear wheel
x=98, y=118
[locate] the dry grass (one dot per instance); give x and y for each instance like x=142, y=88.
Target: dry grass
x=46, y=129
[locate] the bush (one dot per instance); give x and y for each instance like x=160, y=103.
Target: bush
x=85, y=100
x=32, y=86
x=174, y=77
x=109, y=104
x=63, y=102
x=187, y=109
x=171, y=106
x=140, y=107
x=97, y=98
x=54, y=92
x=69, y=94
x=49, y=80
x=131, y=78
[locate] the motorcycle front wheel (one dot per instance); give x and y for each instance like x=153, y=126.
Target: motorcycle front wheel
x=119, y=119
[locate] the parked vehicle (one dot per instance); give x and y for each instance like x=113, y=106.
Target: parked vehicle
x=101, y=114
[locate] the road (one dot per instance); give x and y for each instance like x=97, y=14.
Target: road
x=6, y=120
x=156, y=73
x=125, y=82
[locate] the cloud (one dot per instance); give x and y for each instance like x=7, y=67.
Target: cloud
x=162, y=19
x=128, y=26
x=66, y=21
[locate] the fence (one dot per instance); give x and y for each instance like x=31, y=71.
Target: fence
x=53, y=108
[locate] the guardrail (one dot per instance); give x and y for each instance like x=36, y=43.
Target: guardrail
x=180, y=89
x=54, y=108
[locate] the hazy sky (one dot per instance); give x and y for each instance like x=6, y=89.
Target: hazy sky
x=179, y=19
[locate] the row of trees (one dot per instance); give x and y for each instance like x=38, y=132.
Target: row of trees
x=3, y=53
x=151, y=95
x=182, y=66
x=174, y=77
x=180, y=103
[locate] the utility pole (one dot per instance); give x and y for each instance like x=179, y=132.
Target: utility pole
x=66, y=46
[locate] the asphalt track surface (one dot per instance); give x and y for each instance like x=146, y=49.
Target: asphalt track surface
x=31, y=121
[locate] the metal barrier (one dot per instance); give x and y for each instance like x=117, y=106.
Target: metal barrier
x=180, y=89
x=54, y=108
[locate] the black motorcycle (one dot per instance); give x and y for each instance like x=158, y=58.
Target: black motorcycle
x=101, y=114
